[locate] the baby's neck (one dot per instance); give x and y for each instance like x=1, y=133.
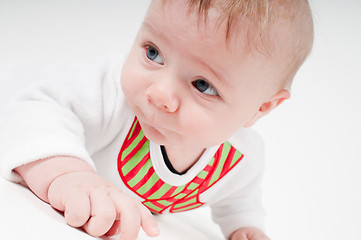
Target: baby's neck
x=183, y=159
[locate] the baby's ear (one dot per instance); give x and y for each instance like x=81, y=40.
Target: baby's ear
x=267, y=107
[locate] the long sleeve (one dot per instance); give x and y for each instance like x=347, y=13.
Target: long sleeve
x=67, y=113
x=242, y=205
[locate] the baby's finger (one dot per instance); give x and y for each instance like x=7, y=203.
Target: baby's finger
x=114, y=230
x=264, y=237
x=243, y=236
x=148, y=222
x=77, y=209
x=103, y=213
x=129, y=223
x=128, y=213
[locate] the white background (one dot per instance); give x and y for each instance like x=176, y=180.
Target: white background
x=312, y=184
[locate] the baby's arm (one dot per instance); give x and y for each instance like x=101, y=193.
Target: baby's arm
x=72, y=111
x=87, y=200
x=240, y=213
x=40, y=174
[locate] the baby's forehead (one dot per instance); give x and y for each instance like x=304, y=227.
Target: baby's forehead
x=250, y=28
x=265, y=22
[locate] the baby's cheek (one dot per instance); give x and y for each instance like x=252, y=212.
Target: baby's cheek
x=204, y=134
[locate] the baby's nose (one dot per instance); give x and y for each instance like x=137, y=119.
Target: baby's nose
x=163, y=98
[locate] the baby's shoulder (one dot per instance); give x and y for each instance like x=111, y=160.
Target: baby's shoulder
x=248, y=142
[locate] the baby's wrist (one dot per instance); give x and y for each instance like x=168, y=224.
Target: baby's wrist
x=39, y=175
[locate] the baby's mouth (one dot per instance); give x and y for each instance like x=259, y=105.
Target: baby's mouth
x=151, y=118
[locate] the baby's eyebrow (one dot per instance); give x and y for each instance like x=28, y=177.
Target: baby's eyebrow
x=149, y=26
x=214, y=72
x=154, y=31
x=219, y=76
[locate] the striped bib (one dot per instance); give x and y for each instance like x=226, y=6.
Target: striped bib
x=137, y=172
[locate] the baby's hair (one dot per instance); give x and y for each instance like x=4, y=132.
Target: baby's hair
x=255, y=10
x=261, y=16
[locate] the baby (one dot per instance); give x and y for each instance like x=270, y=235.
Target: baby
x=168, y=129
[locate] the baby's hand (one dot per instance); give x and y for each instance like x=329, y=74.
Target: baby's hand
x=249, y=233
x=90, y=202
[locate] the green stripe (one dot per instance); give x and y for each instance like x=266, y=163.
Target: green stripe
x=211, y=162
x=192, y=186
x=134, y=161
x=132, y=130
x=225, y=152
x=217, y=172
x=165, y=202
x=192, y=200
x=133, y=144
x=149, y=184
x=141, y=174
x=152, y=206
x=161, y=191
x=180, y=196
x=178, y=190
x=203, y=174
x=188, y=208
x=237, y=155
x=193, y=193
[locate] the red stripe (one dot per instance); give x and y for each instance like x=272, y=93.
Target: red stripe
x=227, y=162
x=153, y=189
x=137, y=168
x=156, y=203
x=217, y=158
x=144, y=180
x=170, y=196
x=170, y=192
x=198, y=204
x=186, y=199
x=208, y=168
x=188, y=191
x=198, y=180
x=134, y=151
x=229, y=169
x=129, y=140
x=155, y=211
x=124, y=146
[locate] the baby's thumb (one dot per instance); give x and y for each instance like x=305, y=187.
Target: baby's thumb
x=148, y=222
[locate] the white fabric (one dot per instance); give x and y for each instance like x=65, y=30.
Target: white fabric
x=80, y=111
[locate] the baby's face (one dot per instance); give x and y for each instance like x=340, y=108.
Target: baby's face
x=189, y=86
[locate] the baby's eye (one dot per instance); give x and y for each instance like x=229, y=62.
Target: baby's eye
x=204, y=87
x=153, y=55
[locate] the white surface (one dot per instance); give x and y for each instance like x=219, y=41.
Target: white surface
x=24, y=216
x=313, y=178
x=312, y=182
